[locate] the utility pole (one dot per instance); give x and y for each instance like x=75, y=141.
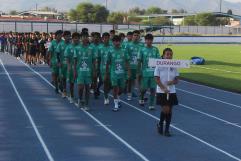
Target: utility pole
x=106, y=4
x=36, y=6
x=220, y=6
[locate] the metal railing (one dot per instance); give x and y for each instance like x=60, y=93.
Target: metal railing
x=6, y=26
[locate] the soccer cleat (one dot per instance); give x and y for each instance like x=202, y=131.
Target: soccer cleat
x=141, y=102
x=92, y=91
x=64, y=95
x=86, y=108
x=107, y=101
x=159, y=129
x=115, y=109
x=151, y=108
x=71, y=100
x=129, y=97
x=167, y=134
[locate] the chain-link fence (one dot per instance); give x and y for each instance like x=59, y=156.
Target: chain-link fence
x=168, y=30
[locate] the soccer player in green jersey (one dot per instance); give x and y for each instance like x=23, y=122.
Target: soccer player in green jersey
x=132, y=49
x=129, y=37
x=104, y=50
x=94, y=47
x=146, y=72
x=54, y=59
x=63, y=63
x=84, y=63
x=69, y=55
x=117, y=65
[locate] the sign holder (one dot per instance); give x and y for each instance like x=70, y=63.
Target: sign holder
x=169, y=63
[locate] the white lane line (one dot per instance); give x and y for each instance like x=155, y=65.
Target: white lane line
x=210, y=98
x=212, y=116
x=46, y=150
x=216, y=69
x=209, y=115
x=184, y=132
x=216, y=89
x=156, y=118
x=98, y=121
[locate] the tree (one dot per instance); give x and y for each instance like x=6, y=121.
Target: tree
x=13, y=12
x=100, y=14
x=175, y=11
x=205, y=19
x=155, y=10
x=158, y=21
x=48, y=9
x=87, y=12
x=73, y=15
x=136, y=11
x=116, y=18
x=189, y=20
x=230, y=12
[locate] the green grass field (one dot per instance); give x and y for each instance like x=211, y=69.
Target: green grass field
x=221, y=70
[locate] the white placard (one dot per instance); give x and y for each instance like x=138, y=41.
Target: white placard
x=169, y=63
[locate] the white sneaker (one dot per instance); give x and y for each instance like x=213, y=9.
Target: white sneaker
x=129, y=97
x=107, y=101
x=115, y=109
x=71, y=100
x=64, y=95
x=92, y=91
x=141, y=102
x=86, y=108
x=151, y=108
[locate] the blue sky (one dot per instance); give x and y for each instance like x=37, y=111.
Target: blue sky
x=63, y=5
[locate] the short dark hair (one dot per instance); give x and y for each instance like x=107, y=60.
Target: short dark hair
x=85, y=30
x=59, y=32
x=129, y=33
x=75, y=34
x=66, y=33
x=84, y=34
x=136, y=32
x=105, y=34
x=116, y=38
x=95, y=34
x=149, y=37
x=112, y=31
x=122, y=35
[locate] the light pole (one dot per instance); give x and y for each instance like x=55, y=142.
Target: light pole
x=106, y=1
x=220, y=6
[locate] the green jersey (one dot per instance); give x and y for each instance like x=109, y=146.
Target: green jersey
x=144, y=55
x=69, y=52
x=124, y=44
x=117, y=60
x=94, y=49
x=52, y=49
x=132, y=49
x=103, y=51
x=85, y=61
x=61, y=50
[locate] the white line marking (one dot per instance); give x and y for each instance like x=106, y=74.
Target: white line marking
x=29, y=116
x=154, y=117
x=206, y=114
x=201, y=85
x=99, y=122
x=214, y=117
x=210, y=98
x=184, y=132
x=216, y=69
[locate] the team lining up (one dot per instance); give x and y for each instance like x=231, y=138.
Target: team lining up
x=118, y=62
